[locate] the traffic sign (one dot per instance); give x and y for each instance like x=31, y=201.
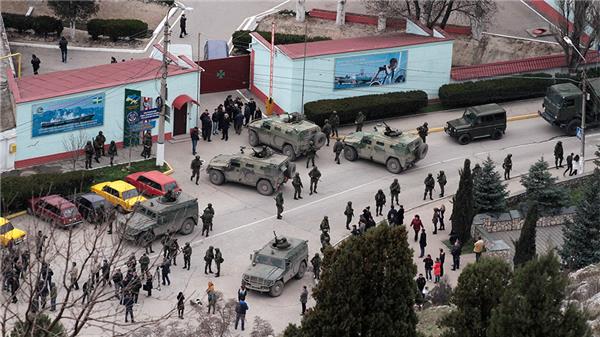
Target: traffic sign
x=578, y=133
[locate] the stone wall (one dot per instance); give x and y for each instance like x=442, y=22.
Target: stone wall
x=514, y=220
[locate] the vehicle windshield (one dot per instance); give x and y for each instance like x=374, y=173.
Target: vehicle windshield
x=130, y=194
x=147, y=212
x=554, y=96
x=6, y=228
x=170, y=186
x=469, y=116
x=69, y=212
x=270, y=261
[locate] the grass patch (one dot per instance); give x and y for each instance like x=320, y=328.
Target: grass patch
x=432, y=107
x=118, y=172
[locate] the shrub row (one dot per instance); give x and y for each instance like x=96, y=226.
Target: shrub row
x=117, y=28
x=495, y=90
x=41, y=25
x=241, y=39
x=373, y=106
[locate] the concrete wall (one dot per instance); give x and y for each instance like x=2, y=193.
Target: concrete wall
x=428, y=68
x=49, y=147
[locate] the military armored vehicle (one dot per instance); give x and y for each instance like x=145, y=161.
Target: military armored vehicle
x=397, y=150
x=480, y=121
x=288, y=133
x=562, y=105
x=173, y=212
x=264, y=169
x=276, y=263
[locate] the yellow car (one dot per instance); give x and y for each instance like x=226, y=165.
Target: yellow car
x=122, y=195
x=9, y=234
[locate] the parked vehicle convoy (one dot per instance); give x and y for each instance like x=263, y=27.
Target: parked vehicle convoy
x=152, y=183
x=562, y=105
x=122, y=195
x=174, y=212
x=480, y=121
x=92, y=207
x=9, y=235
x=264, y=169
x=56, y=210
x=397, y=150
x=276, y=263
x=288, y=133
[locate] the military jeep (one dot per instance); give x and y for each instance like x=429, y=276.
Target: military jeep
x=288, y=133
x=276, y=263
x=264, y=169
x=173, y=212
x=480, y=121
x=397, y=150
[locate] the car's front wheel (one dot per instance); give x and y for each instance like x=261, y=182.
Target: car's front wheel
x=288, y=150
x=187, y=227
x=216, y=177
x=350, y=153
x=253, y=138
x=277, y=289
x=393, y=165
x=464, y=139
x=264, y=187
x=301, y=270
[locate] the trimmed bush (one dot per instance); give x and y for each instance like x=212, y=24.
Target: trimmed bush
x=457, y=95
x=241, y=39
x=19, y=22
x=43, y=25
x=373, y=106
x=117, y=28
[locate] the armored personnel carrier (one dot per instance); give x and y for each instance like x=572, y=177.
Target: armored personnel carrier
x=276, y=263
x=288, y=133
x=397, y=150
x=264, y=169
x=173, y=212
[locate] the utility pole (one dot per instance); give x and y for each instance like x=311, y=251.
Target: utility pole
x=160, y=144
x=583, y=103
x=304, y=68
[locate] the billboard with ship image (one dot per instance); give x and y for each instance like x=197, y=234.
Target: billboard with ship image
x=67, y=115
x=370, y=70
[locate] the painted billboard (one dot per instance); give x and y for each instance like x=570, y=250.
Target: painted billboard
x=370, y=70
x=67, y=115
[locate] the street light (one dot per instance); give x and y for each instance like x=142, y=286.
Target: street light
x=583, y=99
x=160, y=144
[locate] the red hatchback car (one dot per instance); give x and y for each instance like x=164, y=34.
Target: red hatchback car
x=55, y=210
x=152, y=183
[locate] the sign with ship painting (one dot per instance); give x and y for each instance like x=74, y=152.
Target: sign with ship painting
x=67, y=115
x=370, y=70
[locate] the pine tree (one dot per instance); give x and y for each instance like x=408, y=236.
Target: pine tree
x=489, y=192
x=525, y=245
x=462, y=205
x=38, y=326
x=532, y=304
x=480, y=287
x=541, y=188
x=582, y=235
x=366, y=289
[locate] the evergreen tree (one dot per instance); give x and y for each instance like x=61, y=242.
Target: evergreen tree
x=582, y=235
x=489, y=192
x=541, y=187
x=480, y=287
x=38, y=326
x=532, y=304
x=525, y=246
x=366, y=289
x=462, y=205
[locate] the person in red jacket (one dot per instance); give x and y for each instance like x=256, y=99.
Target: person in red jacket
x=416, y=224
x=437, y=270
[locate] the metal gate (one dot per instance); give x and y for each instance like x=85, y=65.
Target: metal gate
x=225, y=74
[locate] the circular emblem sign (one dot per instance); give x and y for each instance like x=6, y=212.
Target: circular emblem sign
x=133, y=117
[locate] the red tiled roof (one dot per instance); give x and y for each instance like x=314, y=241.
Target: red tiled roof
x=514, y=67
x=296, y=50
x=66, y=82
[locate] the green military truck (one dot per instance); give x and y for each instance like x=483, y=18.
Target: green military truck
x=276, y=263
x=562, y=106
x=173, y=212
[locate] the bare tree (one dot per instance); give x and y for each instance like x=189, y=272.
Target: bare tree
x=435, y=12
x=73, y=144
x=585, y=15
x=261, y=328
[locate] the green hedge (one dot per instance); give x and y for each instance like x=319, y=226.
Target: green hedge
x=373, y=106
x=117, y=28
x=41, y=25
x=496, y=90
x=241, y=39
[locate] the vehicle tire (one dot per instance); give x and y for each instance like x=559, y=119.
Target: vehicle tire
x=276, y=289
x=497, y=134
x=120, y=209
x=464, y=139
x=145, y=237
x=253, y=138
x=187, y=227
x=288, y=150
x=422, y=151
x=301, y=270
x=264, y=187
x=216, y=177
x=320, y=139
x=393, y=165
x=572, y=127
x=350, y=153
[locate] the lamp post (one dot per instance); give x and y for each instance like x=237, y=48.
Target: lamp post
x=160, y=144
x=583, y=99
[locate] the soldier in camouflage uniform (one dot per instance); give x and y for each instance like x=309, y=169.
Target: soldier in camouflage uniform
x=507, y=166
x=207, y=219
x=327, y=130
x=429, y=186
x=349, y=213
x=338, y=147
x=334, y=119
x=195, y=166
x=297, y=184
x=441, y=179
x=311, y=152
x=325, y=241
x=395, y=191
x=316, y=264
x=187, y=255
x=279, y=203
x=360, y=120
x=325, y=224
x=314, y=175
x=379, y=202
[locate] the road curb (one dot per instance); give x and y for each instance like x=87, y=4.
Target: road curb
x=170, y=170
